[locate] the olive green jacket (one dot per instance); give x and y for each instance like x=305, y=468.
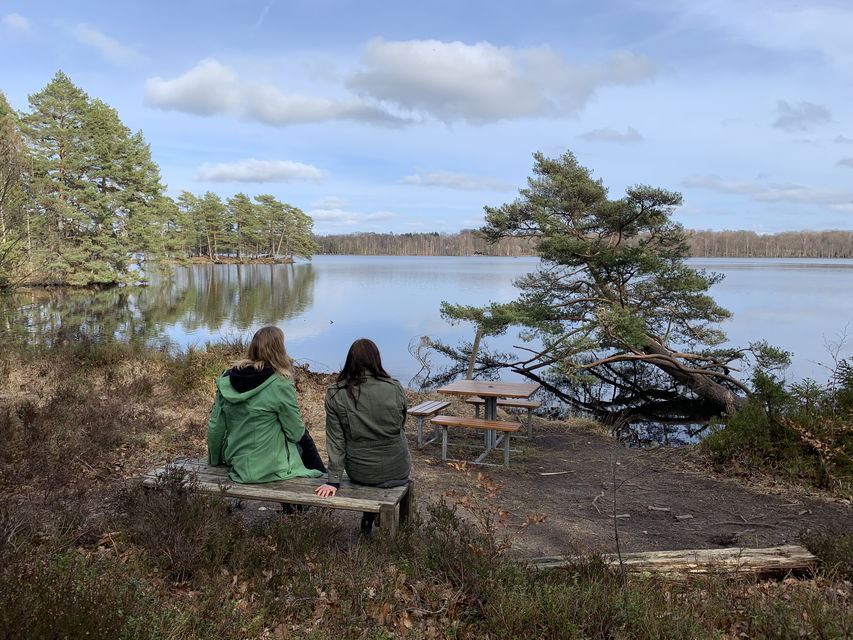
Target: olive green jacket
x=255, y=432
x=366, y=434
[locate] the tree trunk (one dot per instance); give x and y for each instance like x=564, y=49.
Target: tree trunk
x=474, y=349
x=701, y=384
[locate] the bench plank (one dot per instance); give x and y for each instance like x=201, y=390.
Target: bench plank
x=423, y=410
x=530, y=405
x=507, y=402
x=428, y=407
x=477, y=423
x=351, y=496
x=489, y=426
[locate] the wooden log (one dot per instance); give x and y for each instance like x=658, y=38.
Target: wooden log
x=769, y=560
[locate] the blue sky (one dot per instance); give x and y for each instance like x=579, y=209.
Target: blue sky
x=398, y=116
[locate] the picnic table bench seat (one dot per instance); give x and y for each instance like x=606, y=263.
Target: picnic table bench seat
x=506, y=428
x=352, y=497
x=427, y=410
x=519, y=403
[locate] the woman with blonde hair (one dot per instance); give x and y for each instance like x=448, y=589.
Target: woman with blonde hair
x=255, y=426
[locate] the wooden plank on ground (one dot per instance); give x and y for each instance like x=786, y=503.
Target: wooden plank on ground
x=769, y=560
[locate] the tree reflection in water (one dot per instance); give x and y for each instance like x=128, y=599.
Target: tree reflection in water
x=213, y=298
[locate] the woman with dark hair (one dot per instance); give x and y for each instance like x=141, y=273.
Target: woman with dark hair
x=255, y=425
x=365, y=426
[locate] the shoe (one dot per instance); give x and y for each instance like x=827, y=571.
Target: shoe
x=367, y=525
x=289, y=509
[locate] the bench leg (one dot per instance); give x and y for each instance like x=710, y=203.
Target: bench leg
x=420, y=432
x=476, y=411
x=444, y=443
x=387, y=519
x=506, y=451
x=407, y=503
x=530, y=424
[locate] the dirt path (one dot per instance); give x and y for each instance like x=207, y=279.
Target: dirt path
x=664, y=499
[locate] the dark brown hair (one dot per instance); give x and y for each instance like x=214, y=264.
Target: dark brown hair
x=363, y=359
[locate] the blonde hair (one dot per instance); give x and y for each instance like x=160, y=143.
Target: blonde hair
x=267, y=350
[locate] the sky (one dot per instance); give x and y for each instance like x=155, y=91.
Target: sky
x=413, y=116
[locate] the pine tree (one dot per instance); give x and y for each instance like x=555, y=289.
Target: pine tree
x=613, y=305
x=288, y=230
x=212, y=218
x=245, y=220
x=98, y=190
x=14, y=166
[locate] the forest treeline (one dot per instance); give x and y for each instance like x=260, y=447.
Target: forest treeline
x=465, y=243
x=82, y=201
x=788, y=244
x=713, y=244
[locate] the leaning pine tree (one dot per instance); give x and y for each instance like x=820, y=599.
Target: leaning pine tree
x=621, y=325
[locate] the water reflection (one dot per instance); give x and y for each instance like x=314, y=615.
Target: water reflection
x=323, y=306
x=214, y=298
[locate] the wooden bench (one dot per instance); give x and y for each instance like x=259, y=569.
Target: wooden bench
x=489, y=426
x=351, y=497
x=530, y=405
x=427, y=410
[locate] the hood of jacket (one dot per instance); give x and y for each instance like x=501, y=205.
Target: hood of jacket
x=239, y=385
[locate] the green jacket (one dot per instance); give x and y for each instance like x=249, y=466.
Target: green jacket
x=255, y=432
x=366, y=435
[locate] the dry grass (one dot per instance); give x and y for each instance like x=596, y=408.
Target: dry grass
x=85, y=554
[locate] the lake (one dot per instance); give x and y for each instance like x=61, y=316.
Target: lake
x=324, y=305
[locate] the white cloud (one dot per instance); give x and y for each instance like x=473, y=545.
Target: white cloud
x=461, y=181
x=211, y=88
x=473, y=223
x=111, y=49
x=842, y=140
x=331, y=215
x=331, y=202
x=263, y=15
x=838, y=199
x=252, y=170
x=607, y=134
x=801, y=116
x=846, y=162
x=16, y=22
x=822, y=28
x=480, y=83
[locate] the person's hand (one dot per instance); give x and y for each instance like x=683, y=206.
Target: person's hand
x=326, y=490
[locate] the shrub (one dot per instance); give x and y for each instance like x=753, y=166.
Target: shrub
x=193, y=369
x=834, y=546
x=47, y=593
x=69, y=433
x=801, y=433
x=186, y=532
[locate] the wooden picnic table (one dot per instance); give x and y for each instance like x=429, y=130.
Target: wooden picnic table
x=490, y=392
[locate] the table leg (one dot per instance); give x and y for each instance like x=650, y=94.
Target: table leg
x=490, y=409
x=420, y=432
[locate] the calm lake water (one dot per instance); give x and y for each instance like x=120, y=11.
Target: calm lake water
x=324, y=305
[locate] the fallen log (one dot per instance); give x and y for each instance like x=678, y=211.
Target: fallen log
x=783, y=559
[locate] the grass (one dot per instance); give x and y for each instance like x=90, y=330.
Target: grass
x=206, y=572
x=83, y=555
